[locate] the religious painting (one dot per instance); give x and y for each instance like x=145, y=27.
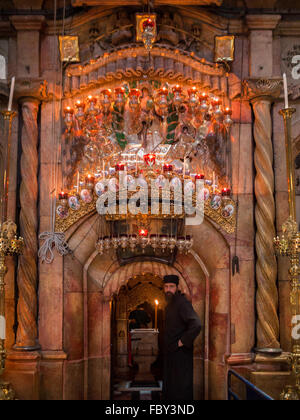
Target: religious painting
x=69, y=49
x=224, y=48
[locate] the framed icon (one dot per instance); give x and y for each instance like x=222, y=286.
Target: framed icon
x=69, y=49
x=224, y=48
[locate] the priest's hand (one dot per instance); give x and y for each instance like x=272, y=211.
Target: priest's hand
x=180, y=343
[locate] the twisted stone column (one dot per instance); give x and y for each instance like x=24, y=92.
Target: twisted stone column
x=262, y=93
x=27, y=270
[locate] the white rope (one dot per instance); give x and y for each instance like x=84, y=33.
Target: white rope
x=52, y=240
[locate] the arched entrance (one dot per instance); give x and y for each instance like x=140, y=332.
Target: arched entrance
x=141, y=289
x=92, y=281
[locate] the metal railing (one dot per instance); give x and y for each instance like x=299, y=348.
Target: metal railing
x=252, y=392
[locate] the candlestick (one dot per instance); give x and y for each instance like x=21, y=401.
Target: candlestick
x=286, y=94
x=288, y=246
x=8, y=117
x=156, y=306
x=287, y=116
x=11, y=95
x=11, y=245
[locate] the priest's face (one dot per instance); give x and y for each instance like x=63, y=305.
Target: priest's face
x=170, y=289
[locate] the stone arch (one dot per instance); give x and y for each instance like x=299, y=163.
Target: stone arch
x=115, y=281
x=91, y=280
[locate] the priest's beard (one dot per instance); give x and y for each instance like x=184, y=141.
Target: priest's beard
x=169, y=297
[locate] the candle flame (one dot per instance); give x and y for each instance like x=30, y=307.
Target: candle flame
x=156, y=302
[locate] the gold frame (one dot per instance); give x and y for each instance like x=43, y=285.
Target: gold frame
x=140, y=19
x=224, y=48
x=69, y=49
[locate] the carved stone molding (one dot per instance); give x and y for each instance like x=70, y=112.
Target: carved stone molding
x=266, y=22
x=27, y=23
x=27, y=270
x=261, y=93
x=164, y=63
x=31, y=88
x=259, y=89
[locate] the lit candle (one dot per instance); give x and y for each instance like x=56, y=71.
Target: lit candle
x=156, y=306
x=286, y=95
x=11, y=95
x=2, y=327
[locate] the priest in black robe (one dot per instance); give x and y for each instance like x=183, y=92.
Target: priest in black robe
x=182, y=326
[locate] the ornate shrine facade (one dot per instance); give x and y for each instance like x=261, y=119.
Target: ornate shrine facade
x=179, y=111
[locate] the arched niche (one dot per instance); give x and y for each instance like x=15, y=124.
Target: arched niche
x=91, y=281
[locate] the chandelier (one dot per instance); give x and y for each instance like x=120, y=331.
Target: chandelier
x=143, y=240
x=149, y=135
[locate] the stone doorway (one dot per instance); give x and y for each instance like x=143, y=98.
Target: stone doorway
x=140, y=289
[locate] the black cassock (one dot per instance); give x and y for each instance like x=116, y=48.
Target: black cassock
x=182, y=323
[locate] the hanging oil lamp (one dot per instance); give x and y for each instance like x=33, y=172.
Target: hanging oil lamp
x=188, y=245
x=204, y=106
x=217, y=111
x=163, y=242
x=107, y=243
x=115, y=241
x=181, y=244
x=134, y=99
x=80, y=107
x=193, y=99
x=124, y=241
x=119, y=98
x=162, y=101
x=150, y=159
x=100, y=246
x=106, y=100
x=133, y=241
x=178, y=96
x=63, y=199
x=172, y=243
x=149, y=33
x=89, y=182
x=227, y=120
x=69, y=112
x=92, y=102
x=154, y=242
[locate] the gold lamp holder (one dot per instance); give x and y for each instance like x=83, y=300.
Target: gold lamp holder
x=10, y=245
x=288, y=245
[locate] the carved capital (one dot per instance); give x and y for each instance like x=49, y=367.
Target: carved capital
x=32, y=88
x=266, y=22
x=28, y=23
x=262, y=89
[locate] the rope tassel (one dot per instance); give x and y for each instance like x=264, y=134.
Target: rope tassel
x=52, y=240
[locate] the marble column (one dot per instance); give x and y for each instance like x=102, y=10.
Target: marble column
x=261, y=93
x=27, y=269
